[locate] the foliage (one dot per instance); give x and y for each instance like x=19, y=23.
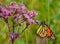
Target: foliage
x=48, y=11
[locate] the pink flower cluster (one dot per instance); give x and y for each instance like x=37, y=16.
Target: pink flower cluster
x=15, y=10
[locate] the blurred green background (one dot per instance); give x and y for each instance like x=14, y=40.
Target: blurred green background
x=48, y=11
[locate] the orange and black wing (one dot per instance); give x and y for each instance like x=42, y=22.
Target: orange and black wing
x=50, y=33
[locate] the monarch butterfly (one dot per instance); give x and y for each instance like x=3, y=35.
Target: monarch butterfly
x=44, y=31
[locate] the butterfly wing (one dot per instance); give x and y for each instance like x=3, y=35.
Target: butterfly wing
x=48, y=30
x=42, y=31
x=52, y=37
x=50, y=33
